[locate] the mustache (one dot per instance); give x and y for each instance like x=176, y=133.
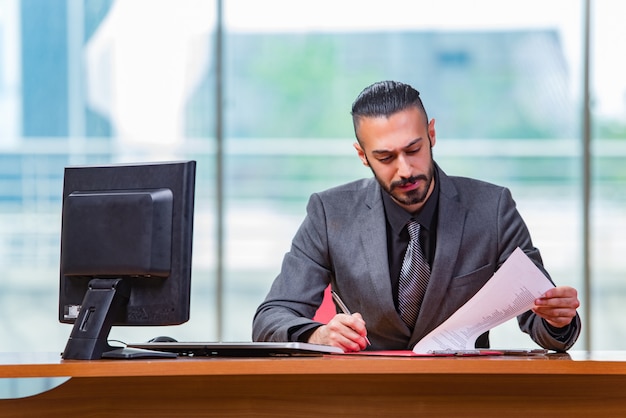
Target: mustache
x=408, y=180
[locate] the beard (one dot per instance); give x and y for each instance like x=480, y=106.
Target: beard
x=410, y=197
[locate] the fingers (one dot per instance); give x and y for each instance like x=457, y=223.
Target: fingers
x=559, y=297
x=558, y=305
x=347, y=332
x=556, y=317
x=561, y=292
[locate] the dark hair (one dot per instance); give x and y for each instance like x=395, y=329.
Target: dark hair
x=385, y=98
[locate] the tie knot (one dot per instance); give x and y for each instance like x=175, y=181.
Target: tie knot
x=414, y=229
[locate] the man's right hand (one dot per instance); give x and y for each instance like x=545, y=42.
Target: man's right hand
x=347, y=332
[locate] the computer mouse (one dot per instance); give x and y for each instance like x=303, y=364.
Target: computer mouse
x=162, y=339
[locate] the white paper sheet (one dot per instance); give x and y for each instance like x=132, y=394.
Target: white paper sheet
x=510, y=292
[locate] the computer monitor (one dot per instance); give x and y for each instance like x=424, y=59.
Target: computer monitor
x=126, y=243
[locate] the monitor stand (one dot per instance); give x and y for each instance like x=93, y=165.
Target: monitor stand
x=89, y=337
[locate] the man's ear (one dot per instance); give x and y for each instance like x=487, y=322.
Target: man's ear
x=361, y=154
x=431, y=132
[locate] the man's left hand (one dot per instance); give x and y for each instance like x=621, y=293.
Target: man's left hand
x=557, y=306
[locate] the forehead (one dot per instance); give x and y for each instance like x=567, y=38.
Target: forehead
x=392, y=131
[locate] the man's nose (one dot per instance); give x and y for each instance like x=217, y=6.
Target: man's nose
x=403, y=166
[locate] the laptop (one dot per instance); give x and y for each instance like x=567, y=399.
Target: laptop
x=238, y=349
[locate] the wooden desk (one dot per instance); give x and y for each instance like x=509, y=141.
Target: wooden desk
x=586, y=385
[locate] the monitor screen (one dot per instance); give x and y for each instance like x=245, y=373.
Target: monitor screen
x=126, y=244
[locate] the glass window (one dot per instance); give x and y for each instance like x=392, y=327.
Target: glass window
x=96, y=81
x=103, y=81
x=608, y=166
x=502, y=86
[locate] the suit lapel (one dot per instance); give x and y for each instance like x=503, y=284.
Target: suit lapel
x=449, y=232
x=373, y=241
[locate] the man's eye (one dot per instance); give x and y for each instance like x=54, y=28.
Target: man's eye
x=384, y=159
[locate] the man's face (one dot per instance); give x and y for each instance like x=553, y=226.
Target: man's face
x=398, y=151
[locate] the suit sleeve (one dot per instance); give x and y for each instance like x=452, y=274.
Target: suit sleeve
x=298, y=290
x=513, y=233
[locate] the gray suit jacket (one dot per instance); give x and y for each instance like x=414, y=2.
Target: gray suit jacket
x=343, y=242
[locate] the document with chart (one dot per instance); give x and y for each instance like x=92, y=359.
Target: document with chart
x=510, y=292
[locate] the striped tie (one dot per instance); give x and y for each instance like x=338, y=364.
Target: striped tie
x=414, y=276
